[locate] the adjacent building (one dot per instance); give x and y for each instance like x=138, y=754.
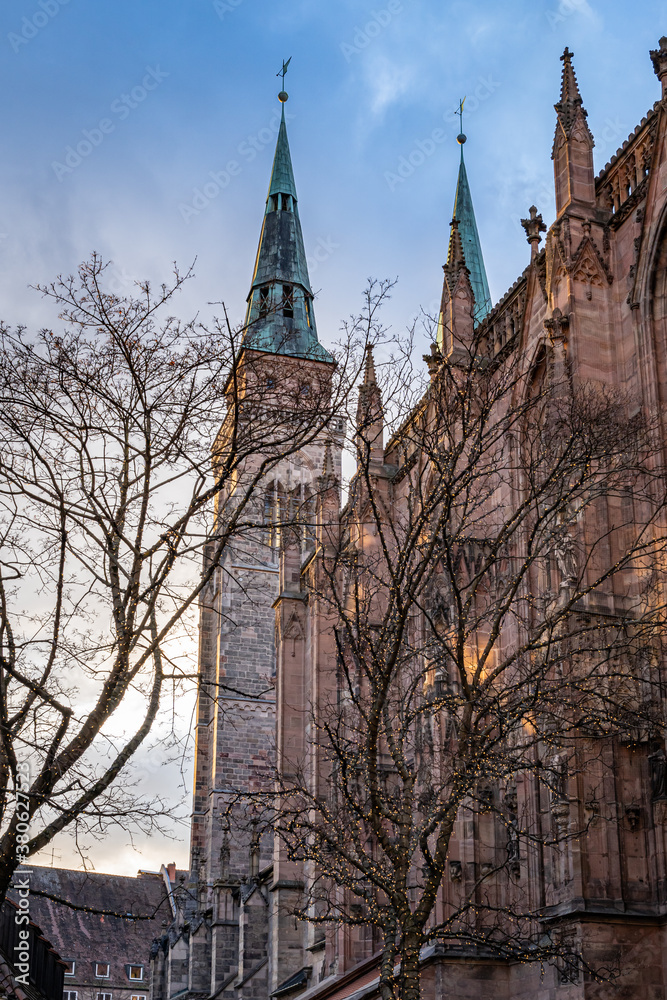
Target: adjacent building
x=96, y=930
x=34, y=971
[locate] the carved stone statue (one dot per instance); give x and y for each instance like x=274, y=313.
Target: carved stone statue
x=196, y=865
x=224, y=856
x=566, y=557
x=658, y=762
x=513, y=856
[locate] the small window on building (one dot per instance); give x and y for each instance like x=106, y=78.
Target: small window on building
x=69, y=994
x=274, y=202
x=307, y=301
x=71, y=966
x=102, y=971
x=285, y=198
x=288, y=300
x=138, y=996
x=105, y=996
x=264, y=300
x=135, y=972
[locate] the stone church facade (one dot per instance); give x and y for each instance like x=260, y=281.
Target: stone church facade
x=598, y=290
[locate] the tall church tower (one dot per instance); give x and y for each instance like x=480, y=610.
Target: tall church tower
x=280, y=318
x=229, y=888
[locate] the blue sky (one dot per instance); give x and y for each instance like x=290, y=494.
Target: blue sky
x=163, y=95
x=368, y=85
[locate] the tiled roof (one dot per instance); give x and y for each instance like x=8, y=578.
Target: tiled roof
x=88, y=938
x=339, y=987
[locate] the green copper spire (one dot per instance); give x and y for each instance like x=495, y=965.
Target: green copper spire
x=470, y=242
x=280, y=316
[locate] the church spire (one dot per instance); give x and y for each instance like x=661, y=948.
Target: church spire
x=280, y=318
x=370, y=412
x=570, y=98
x=464, y=242
x=573, y=145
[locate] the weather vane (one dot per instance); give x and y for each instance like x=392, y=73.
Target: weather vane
x=282, y=96
x=461, y=138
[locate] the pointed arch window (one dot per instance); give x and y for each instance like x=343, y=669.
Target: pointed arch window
x=264, y=299
x=275, y=505
x=269, y=517
x=307, y=518
x=285, y=199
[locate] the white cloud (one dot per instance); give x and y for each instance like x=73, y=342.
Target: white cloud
x=387, y=82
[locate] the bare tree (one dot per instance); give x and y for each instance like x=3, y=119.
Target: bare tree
x=494, y=588
x=108, y=501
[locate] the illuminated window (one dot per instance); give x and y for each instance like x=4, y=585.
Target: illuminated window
x=135, y=972
x=307, y=301
x=102, y=970
x=138, y=996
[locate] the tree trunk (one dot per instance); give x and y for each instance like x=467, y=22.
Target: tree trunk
x=387, y=986
x=409, y=977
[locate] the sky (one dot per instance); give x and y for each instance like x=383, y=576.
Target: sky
x=145, y=131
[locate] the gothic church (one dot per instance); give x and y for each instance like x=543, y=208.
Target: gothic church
x=598, y=287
